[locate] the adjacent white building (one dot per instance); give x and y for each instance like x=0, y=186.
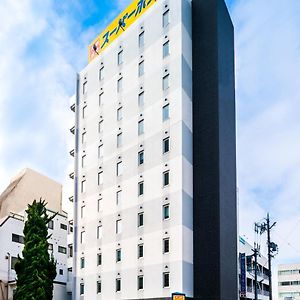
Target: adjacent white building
x=289, y=282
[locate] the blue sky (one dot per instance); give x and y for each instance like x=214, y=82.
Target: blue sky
x=43, y=43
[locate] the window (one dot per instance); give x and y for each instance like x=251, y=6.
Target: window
x=18, y=238
x=100, y=178
x=166, y=18
x=166, y=245
x=166, y=178
x=82, y=262
x=84, y=87
x=166, y=211
x=51, y=224
x=119, y=114
x=100, y=99
x=83, y=112
x=118, y=255
x=99, y=232
x=83, y=185
x=62, y=249
x=13, y=262
x=63, y=226
x=118, y=226
x=141, y=127
x=141, y=188
x=70, y=249
x=119, y=168
x=50, y=247
x=166, y=82
x=120, y=85
x=99, y=205
x=141, y=157
x=82, y=211
x=83, y=161
x=142, y=39
x=82, y=237
x=120, y=57
x=166, y=49
x=98, y=287
x=118, y=284
x=166, y=112
x=140, y=219
x=99, y=259
x=71, y=226
x=119, y=140
x=81, y=289
x=100, y=126
x=166, y=145
x=140, y=250
x=101, y=73
x=100, y=151
x=141, y=68
x=166, y=279
x=118, y=197
x=141, y=99
x=83, y=137
x=140, y=282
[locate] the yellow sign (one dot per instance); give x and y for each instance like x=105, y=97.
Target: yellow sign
x=118, y=26
x=178, y=297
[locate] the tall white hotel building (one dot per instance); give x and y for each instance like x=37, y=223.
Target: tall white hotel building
x=155, y=172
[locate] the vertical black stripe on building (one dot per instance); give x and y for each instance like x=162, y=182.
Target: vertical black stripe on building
x=214, y=153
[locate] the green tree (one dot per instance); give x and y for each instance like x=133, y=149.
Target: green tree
x=36, y=270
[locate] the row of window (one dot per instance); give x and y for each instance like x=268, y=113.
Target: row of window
x=140, y=283
x=289, y=272
x=62, y=226
x=285, y=283
x=60, y=249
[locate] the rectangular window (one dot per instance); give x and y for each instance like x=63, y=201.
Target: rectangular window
x=120, y=57
x=100, y=151
x=98, y=287
x=83, y=112
x=120, y=85
x=82, y=237
x=84, y=87
x=142, y=39
x=18, y=238
x=99, y=232
x=166, y=112
x=100, y=178
x=166, y=279
x=166, y=18
x=119, y=140
x=70, y=249
x=63, y=226
x=101, y=73
x=99, y=259
x=119, y=168
x=140, y=219
x=166, y=82
x=82, y=211
x=166, y=211
x=118, y=255
x=83, y=137
x=141, y=99
x=100, y=126
x=141, y=68
x=140, y=250
x=141, y=127
x=141, y=188
x=99, y=205
x=140, y=282
x=62, y=249
x=141, y=157
x=81, y=289
x=166, y=245
x=166, y=49
x=166, y=145
x=83, y=161
x=119, y=226
x=61, y=272
x=83, y=185
x=82, y=262
x=119, y=114
x=100, y=99
x=166, y=178
x=118, y=197
x=118, y=284
x=51, y=224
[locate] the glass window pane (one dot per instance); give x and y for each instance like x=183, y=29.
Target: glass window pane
x=166, y=18
x=166, y=49
x=166, y=112
x=141, y=99
x=141, y=39
x=166, y=82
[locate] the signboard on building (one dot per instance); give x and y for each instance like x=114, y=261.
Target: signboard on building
x=243, y=277
x=178, y=296
x=133, y=12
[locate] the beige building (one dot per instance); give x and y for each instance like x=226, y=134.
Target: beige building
x=289, y=282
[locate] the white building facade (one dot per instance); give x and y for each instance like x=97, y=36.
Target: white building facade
x=289, y=282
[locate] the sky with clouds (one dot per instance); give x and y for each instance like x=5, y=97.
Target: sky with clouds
x=43, y=43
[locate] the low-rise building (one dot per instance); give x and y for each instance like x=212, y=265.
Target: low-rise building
x=289, y=282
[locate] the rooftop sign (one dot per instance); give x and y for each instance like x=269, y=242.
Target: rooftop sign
x=136, y=9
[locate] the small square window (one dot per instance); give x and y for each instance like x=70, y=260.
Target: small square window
x=118, y=197
x=100, y=151
x=140, y=219
x=82, y=262
x=166, y=49
x=81, y=289
x=166, y=178
x=120, y=57
x=119, y=168
x=118, y=284
x=100, y=178
x=140, y=250
x=99, y=259
x=119, y=114
x=166, y=18
x=83, y=186
x=99, y=204
x=141, y=68
x=141, y=127
x=118, y=226
x=119, y=140
x=166, y=279
x=142, y=39
x=166, y=145
x=61, y=272
x=166, y=112
x=140, y=282
x=166, y=245
x=141, y=188
x=98, y=287
x=166, y=82
x=101, y=73
x=141, y=99
x=62, y=249
x=166, y=211
x=141, y=158
x=118, y=255
x=99, y=232
x=82, y=237
x=120, y=85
